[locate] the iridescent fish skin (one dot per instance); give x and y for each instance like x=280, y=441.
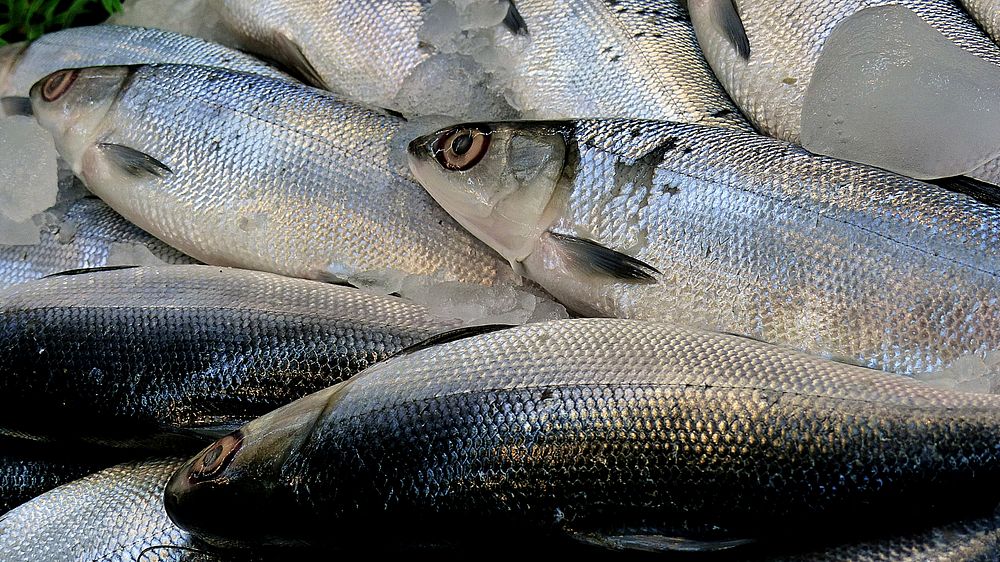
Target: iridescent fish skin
x=730, y=231
x=148, y=356
x=620, y=433
x=246, y=171
x=987, y=13
x=23, y=64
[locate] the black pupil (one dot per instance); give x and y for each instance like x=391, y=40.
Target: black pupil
x=211, y=456
x=462, y=144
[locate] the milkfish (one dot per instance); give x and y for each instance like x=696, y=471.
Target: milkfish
x=617, y=433
x=159, y=356
x=729, y=231
x=242, y=170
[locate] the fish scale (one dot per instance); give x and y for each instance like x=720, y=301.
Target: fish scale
x=987, y=13
x=745, y=234
x=599, y=428
x=139, y=353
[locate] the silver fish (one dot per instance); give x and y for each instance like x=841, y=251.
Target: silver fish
x=82, y=234
x=764, y=53
x=242, y=170
x=729, y=230
x=618, y=433
x=115, y=515
x=987, y=13
x=138, y=355
x=23, y=64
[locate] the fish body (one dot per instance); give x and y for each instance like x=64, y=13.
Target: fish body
x=137, y=355
x=247, y=171
x=23, y=64
x=987, y=13
x=83, y=234
x=619, y=433
x=115, y=515
x=783, y=41
x=729, y=231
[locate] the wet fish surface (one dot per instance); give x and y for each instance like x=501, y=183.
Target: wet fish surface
x=83, y=234
x=115, y=515
x=23, y=64
x=764, y=53
x=729, y=231
x=987, y=13
x=262, y=173
x=620, y=433
x=137, y=355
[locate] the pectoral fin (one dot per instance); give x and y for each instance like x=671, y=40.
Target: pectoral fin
x=514, y=21
x=590, y=257
x=133, y=162
x=16, y=105
x=292, y=55
x=725, y=16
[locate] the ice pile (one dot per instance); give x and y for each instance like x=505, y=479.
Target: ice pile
x=891, y=91
x=127, y=253
x=28, y=179
x=196, y=18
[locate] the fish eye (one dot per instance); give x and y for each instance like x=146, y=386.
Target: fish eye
x=215, y=458
x=57, y=84
x=460, y=149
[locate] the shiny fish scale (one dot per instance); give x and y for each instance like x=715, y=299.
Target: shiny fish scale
x=111, y=516
x=187, y=346
x=987, y=13
x=120, y=45
x=626, y=58
x=278, y=177
x=364, y=50
x=785, y=42
x=95, y=228
x=28, y=469
x=613, y=426
x=757, y=237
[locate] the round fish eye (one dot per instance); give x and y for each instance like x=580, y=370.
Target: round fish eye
x=57, y=84
x=214, y=459
x=460, y=149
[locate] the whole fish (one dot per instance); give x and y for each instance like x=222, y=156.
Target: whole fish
x=82, y=234
x=764, y=53
x=987, y=13
x=115, y=515
x=242, y=170
x=976, y=540
x=137, y=354
x=558, y=58
x=28, y=469
x=619, y=433
x=23, y=64
x=731, y=231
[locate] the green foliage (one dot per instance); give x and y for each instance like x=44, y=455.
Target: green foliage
x=28, y=19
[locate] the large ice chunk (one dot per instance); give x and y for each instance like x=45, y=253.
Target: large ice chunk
x=197, y=18
x=891, y=91
x=28, y=178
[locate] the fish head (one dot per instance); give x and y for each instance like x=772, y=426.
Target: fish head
x=233, y=493
x=9, y=57
x=495, y=179
x=72, y=103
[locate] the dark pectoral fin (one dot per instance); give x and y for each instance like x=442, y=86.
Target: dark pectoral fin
x=727, y=19
x=16, y=105
x=133, y=162
x=86, y=270
x=594, y=258
x=452, y=335
x=514, y=21
x=658, y=543
x=979, y=190
x=292, y=54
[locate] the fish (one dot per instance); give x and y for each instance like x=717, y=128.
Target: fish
x=23, y=64
x=158, y=357
x=960, y=541
x=115, y=515
x=29, y=468
x=729, y=231
x=616, y=433
x=764, y=53
x=987, y=13
x=241, y=170
x=81, y=234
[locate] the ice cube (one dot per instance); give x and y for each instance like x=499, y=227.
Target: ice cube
x=197, y=18
x=28, y=171
x=455, y=85
x=969, y=374
x=891, y=91
x=127, y=253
